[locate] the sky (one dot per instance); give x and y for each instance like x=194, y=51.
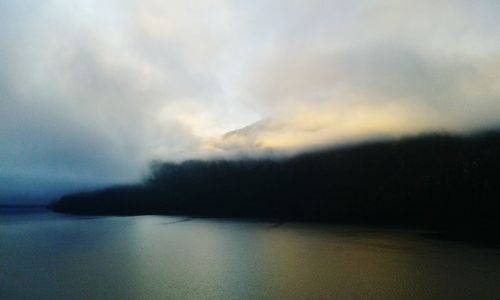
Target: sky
x=92, y=91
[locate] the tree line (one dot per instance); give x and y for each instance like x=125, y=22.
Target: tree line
x=435, y=180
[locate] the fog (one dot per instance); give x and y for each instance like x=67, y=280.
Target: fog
x=92, y=91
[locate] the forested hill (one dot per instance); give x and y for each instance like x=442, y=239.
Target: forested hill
x=433, y=180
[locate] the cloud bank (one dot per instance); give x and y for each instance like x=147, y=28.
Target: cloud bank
x=91, y=91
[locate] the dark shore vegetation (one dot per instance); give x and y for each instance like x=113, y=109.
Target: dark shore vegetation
x=435, y=180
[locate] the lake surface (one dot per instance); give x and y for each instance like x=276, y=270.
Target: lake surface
x=50, y=256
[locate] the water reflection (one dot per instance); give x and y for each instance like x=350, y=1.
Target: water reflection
x=153, y=257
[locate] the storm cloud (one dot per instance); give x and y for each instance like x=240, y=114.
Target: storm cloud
x=92, y=91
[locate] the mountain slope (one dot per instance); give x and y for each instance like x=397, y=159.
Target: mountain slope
x=433, y=180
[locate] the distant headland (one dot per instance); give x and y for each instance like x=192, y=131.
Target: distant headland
x=432, y=180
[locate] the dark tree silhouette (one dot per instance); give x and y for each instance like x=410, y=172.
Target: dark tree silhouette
x=435, y=180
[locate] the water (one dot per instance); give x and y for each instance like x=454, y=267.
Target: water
x=50, y=256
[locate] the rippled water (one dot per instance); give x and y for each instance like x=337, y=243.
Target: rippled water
x=49, y=256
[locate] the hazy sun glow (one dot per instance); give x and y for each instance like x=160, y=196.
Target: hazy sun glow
x=91, y=91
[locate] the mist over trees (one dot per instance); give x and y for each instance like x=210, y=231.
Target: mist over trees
x=435, y=180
